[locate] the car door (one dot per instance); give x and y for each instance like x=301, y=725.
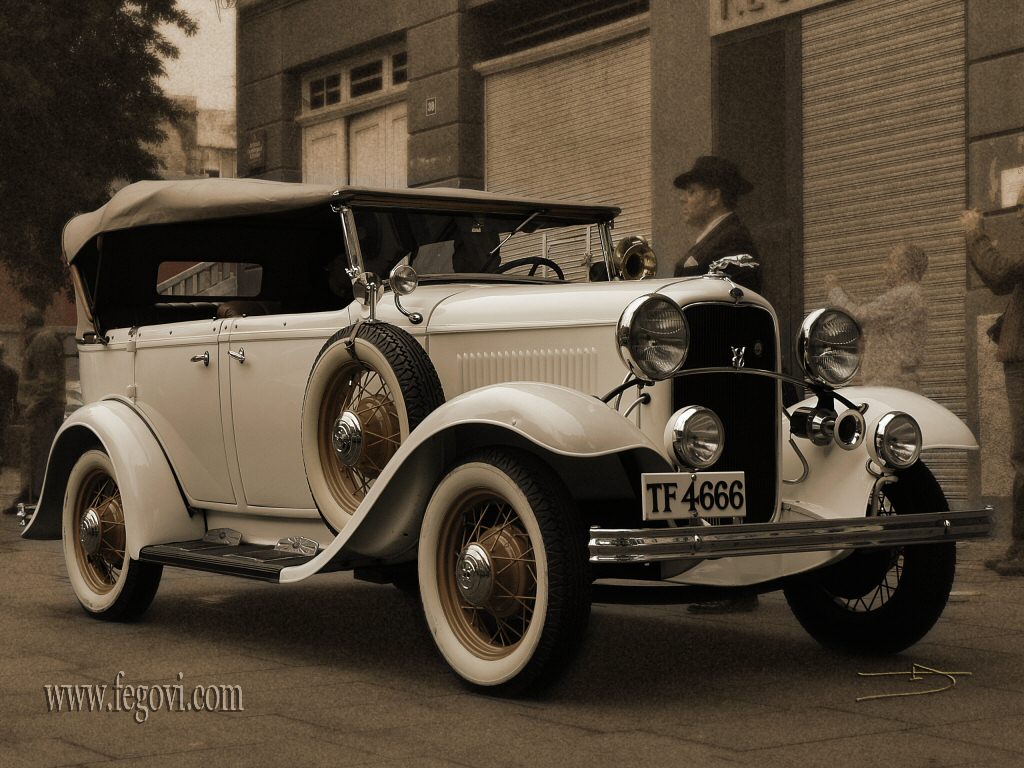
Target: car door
x=270, y=360
x=177, y=369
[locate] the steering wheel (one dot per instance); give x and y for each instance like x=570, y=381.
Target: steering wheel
x=537, y=261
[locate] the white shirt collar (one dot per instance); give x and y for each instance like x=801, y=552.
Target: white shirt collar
x=711, y=225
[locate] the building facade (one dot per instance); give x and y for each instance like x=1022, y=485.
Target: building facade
x=862, y=124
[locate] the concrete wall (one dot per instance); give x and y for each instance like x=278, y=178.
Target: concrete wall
x=681, y=113
x=995, y=143
x=446, y=148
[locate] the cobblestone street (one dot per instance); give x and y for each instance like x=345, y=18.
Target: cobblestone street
x=338, y=672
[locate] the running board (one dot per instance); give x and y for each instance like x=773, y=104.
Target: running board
x=251, y=561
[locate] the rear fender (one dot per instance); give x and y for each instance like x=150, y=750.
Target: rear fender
x=154, y=508
x=593, y=448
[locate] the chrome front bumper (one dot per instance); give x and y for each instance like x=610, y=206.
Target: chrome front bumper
x=651, y=545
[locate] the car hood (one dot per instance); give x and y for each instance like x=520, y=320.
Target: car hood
x=465, y=307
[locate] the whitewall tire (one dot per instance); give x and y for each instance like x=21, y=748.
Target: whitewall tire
x=362, y=400
x=106, y=581
x=503, y=574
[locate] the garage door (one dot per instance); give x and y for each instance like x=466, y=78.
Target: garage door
x=577, y=126
x=884, y=163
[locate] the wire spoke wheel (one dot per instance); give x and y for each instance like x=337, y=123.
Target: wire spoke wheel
x=360, y=391
x=99, y=519
x=368, y=389
x=881, y=601
x=107, y=582
x=881, y=575
x=490, y=613
x=503, y=571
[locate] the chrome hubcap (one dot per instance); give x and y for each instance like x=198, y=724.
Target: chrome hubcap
x=89, y=532
x=348, y=439
x=474, y=575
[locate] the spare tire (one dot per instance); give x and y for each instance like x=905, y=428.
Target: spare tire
x=365, y=394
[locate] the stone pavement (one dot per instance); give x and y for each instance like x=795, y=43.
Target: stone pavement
x=341, y=673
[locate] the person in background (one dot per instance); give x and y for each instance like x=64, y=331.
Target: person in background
x=1003, y=273
x=41, y=397
x=8, y=406
x=895, y=323
x=711, y=190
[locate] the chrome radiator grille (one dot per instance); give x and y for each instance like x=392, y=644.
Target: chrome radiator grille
x=748, y=405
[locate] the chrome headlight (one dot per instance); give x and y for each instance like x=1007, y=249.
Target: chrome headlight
x=695, y=437
x=653, y=337
x=403, y=280
x=897, y=441
x=828, y=346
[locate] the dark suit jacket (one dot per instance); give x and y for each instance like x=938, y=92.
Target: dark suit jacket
x=729, y=238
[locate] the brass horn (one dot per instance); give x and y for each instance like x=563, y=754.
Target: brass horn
x=634, y=258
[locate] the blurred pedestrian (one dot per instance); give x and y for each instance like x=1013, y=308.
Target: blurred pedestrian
x=711, y=191
x=41, y=397
x=895, y=323
x=1003, y=273
x=8, y=406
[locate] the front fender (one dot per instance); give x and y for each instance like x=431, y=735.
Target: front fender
x=940, y=427
x=838, y=483
x=578, y=434
x=154, y=509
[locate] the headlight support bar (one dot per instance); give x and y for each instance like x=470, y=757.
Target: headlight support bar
x=821, y=390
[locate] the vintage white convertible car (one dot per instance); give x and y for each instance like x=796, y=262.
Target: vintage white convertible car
x=502, y=440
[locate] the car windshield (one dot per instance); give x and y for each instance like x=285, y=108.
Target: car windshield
x=445, y=244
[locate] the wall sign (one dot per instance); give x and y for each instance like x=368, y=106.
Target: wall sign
x=727, y=15
x=431, y=106
x=256, y=151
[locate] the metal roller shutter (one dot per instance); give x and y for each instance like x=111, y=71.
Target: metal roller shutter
x=884, y=163
x=577, y=127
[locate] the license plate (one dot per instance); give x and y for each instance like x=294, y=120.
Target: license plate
x=683, y=495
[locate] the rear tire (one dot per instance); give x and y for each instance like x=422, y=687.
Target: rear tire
x=879, y=602
x=107, y=582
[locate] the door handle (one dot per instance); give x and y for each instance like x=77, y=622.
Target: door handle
x=239, y=355
x=203, y=358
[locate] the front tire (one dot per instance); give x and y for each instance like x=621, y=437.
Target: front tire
x=107, y=582
x=879, y=602
x=503, y=572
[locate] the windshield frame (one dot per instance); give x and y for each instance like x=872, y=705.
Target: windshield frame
x=540, y=219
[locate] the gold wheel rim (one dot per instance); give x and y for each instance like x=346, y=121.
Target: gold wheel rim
x=494, y=626
x=99, y=503
x=362, y=391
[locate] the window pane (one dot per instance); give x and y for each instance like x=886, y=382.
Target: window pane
x=367, y=78
x=333, y=87
x=316, y=94
x=209, y=278
x=399, y=68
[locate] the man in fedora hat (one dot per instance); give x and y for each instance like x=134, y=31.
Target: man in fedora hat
x=711, y=190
